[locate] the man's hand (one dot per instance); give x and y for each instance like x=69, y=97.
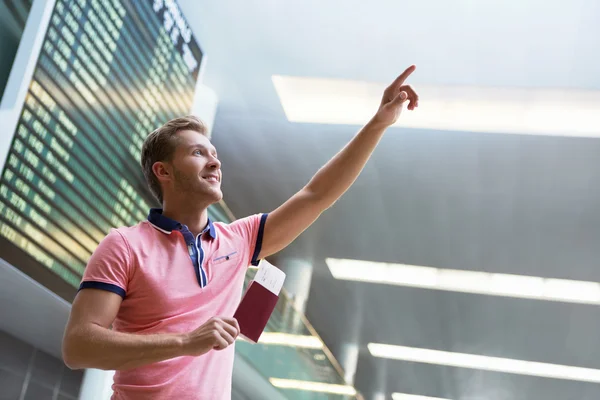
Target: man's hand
x=393, y=99
x=217, y=333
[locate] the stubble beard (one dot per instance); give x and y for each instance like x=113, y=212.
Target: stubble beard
x=194, y=188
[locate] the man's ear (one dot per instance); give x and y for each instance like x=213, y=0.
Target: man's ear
x=162, y=171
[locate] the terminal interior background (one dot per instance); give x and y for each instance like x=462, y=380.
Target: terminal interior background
x=463, y=263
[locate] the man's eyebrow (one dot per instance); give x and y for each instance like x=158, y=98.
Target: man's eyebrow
x=201, y=146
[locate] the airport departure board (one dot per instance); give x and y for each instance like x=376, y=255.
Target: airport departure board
x=109, y=72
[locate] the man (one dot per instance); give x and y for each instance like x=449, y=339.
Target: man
x=170, y=285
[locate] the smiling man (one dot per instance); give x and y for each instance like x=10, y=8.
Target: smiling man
x=170, y=285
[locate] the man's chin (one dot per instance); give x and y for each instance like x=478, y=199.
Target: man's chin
x=216, y=195
x=204, y=196
x=219, y=197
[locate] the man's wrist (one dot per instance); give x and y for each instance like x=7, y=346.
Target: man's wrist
x=376, y=123
x=182, y=344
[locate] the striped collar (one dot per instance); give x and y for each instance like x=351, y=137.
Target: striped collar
x=167, y=225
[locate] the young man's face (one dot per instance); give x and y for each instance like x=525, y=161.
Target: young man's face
x=196, y=171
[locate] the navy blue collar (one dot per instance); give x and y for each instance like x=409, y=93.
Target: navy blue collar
x=166, y=224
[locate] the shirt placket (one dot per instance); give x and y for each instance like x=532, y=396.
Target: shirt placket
x=200, y=251
x=194, y=246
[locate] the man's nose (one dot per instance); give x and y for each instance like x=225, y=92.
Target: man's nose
x=214, y=163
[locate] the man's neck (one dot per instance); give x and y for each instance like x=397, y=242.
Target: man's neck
x=195, y=218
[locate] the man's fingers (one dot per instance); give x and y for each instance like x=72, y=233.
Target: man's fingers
x=221, y=338
x=237, y=325
x=225, y=334
x=400, y=79
x=400, y=98
x=231, y=326
x=413, y=97
x=220, y=343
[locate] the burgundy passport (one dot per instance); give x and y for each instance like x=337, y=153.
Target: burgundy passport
x=259, y=301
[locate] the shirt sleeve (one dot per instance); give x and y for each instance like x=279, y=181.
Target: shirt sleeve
x=109, y=266
x=251, y=230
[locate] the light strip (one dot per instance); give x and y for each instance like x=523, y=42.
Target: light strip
x=287, y=339
x=313, y=386
x=473, y=361
x=404, y=396
x=460, y=108
x=493, y=284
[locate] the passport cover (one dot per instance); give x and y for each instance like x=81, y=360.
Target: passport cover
x=254, y=311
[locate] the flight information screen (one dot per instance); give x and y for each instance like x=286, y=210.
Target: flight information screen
x=109, y=72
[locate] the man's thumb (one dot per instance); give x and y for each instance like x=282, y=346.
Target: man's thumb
x=399, y=99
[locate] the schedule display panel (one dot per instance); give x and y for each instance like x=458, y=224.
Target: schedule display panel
x=108, y=73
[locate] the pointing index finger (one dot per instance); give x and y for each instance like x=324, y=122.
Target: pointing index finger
x=400, y=79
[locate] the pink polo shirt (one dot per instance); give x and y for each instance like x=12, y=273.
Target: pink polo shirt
x=172, y=282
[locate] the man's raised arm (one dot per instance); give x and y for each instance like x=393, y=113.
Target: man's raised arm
x=289, y=220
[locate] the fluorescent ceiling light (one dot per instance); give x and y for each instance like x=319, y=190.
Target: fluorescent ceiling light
x=404, y=396
x=287, y=339
x=455, y=108
x=473, y=361
x=528, y=287
x=313, y=386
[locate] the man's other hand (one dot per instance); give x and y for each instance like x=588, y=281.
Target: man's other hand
x=217, y=333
